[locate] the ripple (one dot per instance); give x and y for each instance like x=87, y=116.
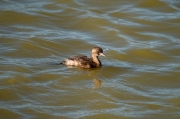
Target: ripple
x=140, y=73
x=171, y=38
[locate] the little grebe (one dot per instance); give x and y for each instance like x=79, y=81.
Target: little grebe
x=84, y=61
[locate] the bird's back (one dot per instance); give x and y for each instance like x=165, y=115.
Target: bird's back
x=81, y=61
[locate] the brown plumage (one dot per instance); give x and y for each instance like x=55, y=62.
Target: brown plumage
x=84, y=61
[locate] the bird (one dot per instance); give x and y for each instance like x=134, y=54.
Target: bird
x=84, y=61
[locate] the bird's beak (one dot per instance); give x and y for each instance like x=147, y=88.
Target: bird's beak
x=101, y=54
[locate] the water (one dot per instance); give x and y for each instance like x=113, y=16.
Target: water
x=140, y=73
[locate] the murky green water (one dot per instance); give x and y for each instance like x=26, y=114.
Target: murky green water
x=140, y=76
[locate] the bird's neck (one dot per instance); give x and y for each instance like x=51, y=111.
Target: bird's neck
x=96, y=60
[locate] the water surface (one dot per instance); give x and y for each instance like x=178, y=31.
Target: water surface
x=139, y=78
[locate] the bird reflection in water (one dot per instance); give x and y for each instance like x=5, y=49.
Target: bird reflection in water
x=96, y=82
